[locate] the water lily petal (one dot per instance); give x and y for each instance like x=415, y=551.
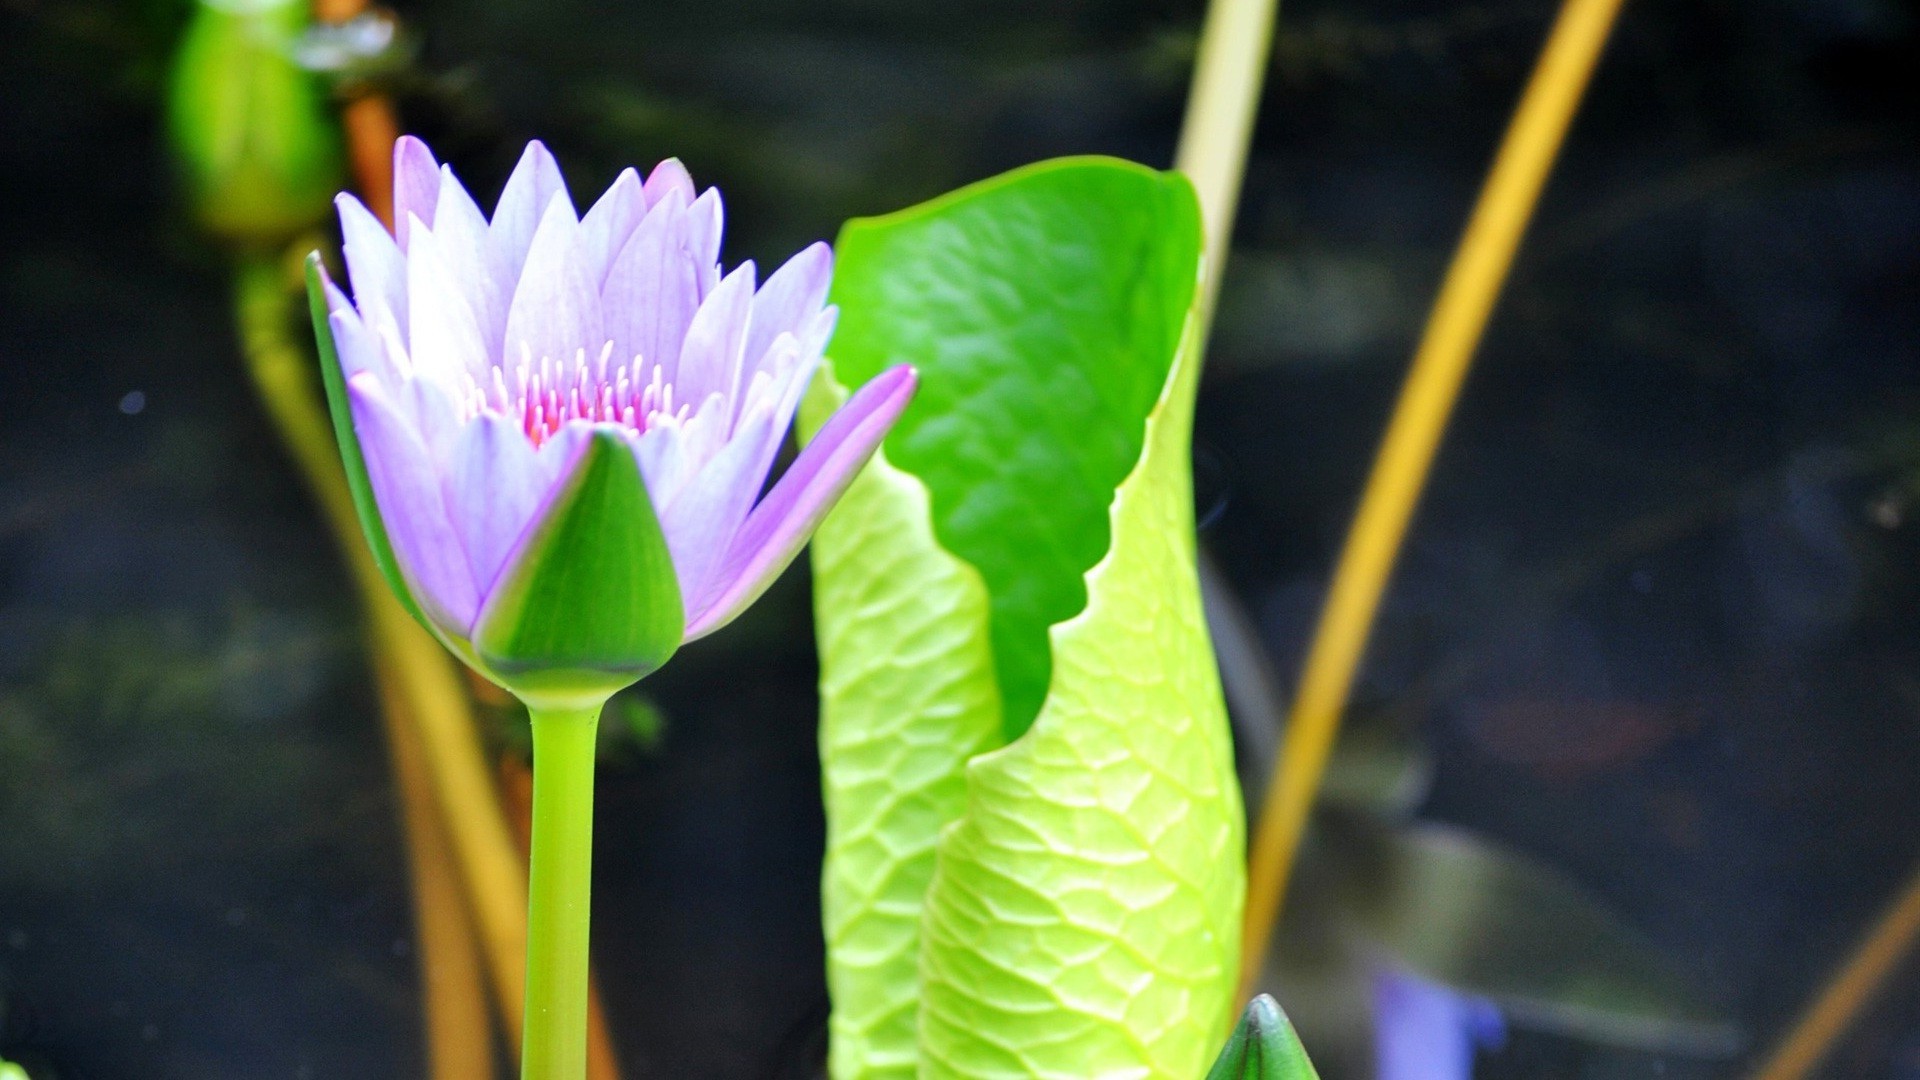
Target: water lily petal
x=652, y=288
x=791, y=299
x=777, y=528
x=556, y=308
x=416, y=185
x=669, y=175
x=498, y=484
x=777, y=388
x=445, y=342
x=406, y=488
x=375, y=267
x=534, y=185
x=1426, y=1031
x=434, y=413
x=663, y=461
x=704, y=515
x=606, y=226
x=710, y=359
x=359, y=349
x=706, y=219
x=466, y=247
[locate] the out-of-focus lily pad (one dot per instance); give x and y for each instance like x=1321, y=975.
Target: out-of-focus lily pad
x=1489, y=921
x=1378, y=765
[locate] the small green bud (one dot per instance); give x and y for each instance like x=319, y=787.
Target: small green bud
x=1263, y=1047
x=254, y=132
x=10, y=1071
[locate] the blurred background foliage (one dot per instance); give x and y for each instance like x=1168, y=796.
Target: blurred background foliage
x=1644, y=701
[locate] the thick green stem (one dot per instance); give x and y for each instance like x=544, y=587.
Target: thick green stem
x=559, y=894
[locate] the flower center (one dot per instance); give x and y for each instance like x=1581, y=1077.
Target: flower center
x=546, y=394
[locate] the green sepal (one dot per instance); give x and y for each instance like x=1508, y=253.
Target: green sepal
x=590, y=604
x=351, y=458
x=1263, y=1046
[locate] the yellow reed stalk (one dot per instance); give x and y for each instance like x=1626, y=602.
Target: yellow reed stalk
x=453, y=985
x=1852, y=986
x=1453, y=331
x=1221, y=105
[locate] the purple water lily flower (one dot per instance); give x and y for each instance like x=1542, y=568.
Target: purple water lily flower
x=1426, y=1031
x=483, y=359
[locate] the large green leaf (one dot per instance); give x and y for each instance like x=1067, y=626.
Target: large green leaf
x=1083, y=912
x=1043, y=309
x=908, y=697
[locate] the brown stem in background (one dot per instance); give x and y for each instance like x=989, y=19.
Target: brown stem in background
x=453, y=983
x=372, y=129
x=458, y=1035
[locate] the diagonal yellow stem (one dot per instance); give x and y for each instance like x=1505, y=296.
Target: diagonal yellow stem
x=1453, y=331
x=1865, y=971
x=453, y=981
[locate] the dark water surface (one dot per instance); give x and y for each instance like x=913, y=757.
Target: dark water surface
x=1655, y=626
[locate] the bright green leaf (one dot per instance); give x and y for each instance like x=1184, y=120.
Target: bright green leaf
x=1084, y=911
x=1042, y=309
x=591, y=604
x=907, y=697
x=1263, y=1046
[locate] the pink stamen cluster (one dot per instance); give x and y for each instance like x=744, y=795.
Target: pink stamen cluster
x=547, y=394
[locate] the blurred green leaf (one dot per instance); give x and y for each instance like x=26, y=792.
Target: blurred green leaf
x=1263, y=1046
x=253, y=130
x=1488, y=921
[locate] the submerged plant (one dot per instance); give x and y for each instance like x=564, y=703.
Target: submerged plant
x=558, y=428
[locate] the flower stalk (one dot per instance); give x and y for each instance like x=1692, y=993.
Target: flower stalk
x=559, y=894
x=557, y=429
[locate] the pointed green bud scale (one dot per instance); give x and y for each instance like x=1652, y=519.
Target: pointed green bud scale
x=590, y=603
x=254, y=132
x=350, y=455
x=1263, y=1046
